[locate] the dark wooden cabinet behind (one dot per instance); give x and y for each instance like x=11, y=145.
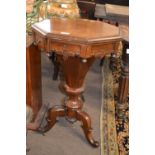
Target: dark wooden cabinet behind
x=116, y=2
x=33, y=77
x=87, y=7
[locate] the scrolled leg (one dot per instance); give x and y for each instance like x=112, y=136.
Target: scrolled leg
x=86, y=126
x=53, y=113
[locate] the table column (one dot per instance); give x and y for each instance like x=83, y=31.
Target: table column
x=74, y=71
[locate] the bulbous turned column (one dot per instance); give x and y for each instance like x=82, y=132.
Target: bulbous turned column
x=74, y=71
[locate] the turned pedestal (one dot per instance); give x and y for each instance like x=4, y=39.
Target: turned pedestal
x=76, y=43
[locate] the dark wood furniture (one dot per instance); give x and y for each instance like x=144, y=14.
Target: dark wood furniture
x=100, y=12
x=116, y=2
x=115, y=14
x=33, y=76
x=123, y=91
x=77, y=43
x=87, y=8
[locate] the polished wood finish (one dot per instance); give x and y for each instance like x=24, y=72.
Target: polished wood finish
x=79, y=37
x=33, y=76
x=73, y=89
x=76, y=43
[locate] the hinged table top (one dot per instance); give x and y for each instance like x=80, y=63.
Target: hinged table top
x=77, y=30
x=76, y=37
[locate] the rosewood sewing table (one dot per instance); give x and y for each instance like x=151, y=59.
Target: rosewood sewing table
x=77, y=43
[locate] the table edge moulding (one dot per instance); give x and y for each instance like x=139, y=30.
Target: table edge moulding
x=84, y=47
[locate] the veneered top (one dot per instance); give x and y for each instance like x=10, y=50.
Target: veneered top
x=77, y=30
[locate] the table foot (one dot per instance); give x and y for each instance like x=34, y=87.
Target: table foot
x=86, y=126
x=53, y=113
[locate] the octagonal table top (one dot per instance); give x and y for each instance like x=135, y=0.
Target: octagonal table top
x=77, y=30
